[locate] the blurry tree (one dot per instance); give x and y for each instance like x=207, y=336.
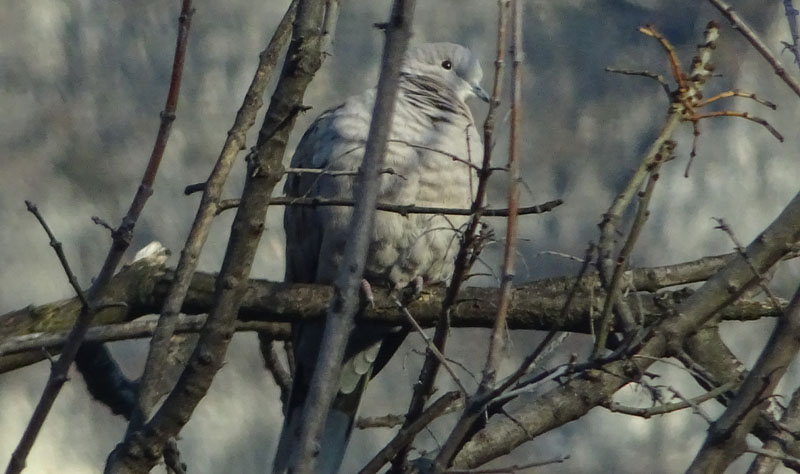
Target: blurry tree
x=636, y=341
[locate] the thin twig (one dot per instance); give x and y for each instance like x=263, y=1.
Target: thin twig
x=401, y=208
x=651, y=75
x=340, y=316
x=744, y=115
x=553, y=338
x=762, y=281
x=498, y=335
x=510, y=469
x=430, y=345
x=86, y=305
x=751, y=36
x=406, y=435
x=791, y=19
x=642, y=213
x=302, y=61
x=281, y=375
x=121, y=240
x=476, y=405
x=466, y=251
x=667, y=407
x=736, y=93
x=207, y=210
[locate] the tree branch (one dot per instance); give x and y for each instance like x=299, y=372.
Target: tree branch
x=121, y=240
x=142, y=448
x=209, y=205
x=341, y=313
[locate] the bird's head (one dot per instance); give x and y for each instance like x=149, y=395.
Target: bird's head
x=451, y=64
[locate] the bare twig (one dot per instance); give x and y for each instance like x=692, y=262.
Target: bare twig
x=340, y=316
x=651, y=75
x=466, y=252
x=401, y=208
x=762, y=280
x=498, y=335
x=642, y=213
x=430, y=345
x=86, y=305
x=744, y=115
x=403, y=438
x=508, y=469
x=198, y=234
x=553, y=338
x=121, y=240
x=791, y=19
x=264, y=172
x=666, y=407
x=477, y=404
x=751, y=36
x=726, y=436
x=281, y=375
x=736, y=93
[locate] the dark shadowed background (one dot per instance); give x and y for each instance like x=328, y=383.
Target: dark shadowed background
x=81, y=86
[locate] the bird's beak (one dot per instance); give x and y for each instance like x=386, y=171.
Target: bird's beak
x=480, y=93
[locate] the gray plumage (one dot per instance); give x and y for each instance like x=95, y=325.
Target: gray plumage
x=433, y=149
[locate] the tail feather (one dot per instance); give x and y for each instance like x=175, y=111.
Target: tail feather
x=364, y=347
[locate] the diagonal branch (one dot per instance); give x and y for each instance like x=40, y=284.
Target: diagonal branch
x=264, y=171
x=341, y=314
x=726, y=436
x=209, y=205
x=466, y=252
x=750, y=35
x=121, y=240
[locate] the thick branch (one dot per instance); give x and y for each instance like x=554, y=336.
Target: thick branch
x=577, y=396
x=207, y=210
x=141, y=288
x=143, y=448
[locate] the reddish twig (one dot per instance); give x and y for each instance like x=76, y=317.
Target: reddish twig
x=497, y=339
x=263, y=173
x=121, y=240
x=477, y=404
x=207, y=210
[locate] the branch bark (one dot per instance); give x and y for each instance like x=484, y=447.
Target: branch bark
x=343, y=307
x=141, y=288
x=142, y=449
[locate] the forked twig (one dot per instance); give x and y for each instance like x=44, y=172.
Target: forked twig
x=207, y=210
x=466, y=252
x=121, y=240
x=429, y=344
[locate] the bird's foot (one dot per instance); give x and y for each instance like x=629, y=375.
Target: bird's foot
x=417, y=285
x=366, y=291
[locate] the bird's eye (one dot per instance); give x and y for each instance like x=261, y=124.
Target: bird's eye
x=447, y=64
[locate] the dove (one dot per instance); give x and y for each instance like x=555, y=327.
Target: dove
x=434, y=150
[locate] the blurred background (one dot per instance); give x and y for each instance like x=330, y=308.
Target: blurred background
x=82, y=83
